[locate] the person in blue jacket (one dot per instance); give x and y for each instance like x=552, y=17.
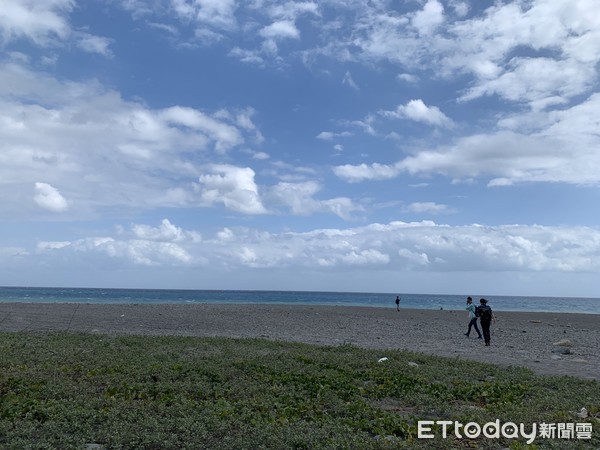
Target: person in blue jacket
x=472, y=317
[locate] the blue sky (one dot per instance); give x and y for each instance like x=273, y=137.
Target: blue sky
x=422, y=146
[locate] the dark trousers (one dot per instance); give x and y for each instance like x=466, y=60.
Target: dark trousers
x=473, y=323
x=485, y=327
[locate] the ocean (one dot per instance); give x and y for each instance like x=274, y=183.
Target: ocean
x=378, y=300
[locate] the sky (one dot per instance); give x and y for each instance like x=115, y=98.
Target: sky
x=424, y=146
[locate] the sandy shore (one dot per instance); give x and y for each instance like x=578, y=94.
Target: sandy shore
x=523, y=339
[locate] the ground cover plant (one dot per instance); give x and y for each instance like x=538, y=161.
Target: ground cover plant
x=65, y=390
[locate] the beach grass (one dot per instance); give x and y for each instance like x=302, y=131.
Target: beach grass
x=66, y=390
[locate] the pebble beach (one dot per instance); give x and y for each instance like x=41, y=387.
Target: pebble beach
x=547, y=343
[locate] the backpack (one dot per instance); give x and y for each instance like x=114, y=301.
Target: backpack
x=484, y=311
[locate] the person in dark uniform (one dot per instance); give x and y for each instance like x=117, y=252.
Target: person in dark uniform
x=397, y=303
x=486, y=315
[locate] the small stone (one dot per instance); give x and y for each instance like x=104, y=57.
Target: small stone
x=564, y=343
x=555, y=357
x=413, y=364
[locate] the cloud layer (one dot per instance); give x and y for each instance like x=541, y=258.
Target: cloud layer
x=398, y=246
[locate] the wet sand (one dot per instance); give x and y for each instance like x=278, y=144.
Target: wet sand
x=521, y=339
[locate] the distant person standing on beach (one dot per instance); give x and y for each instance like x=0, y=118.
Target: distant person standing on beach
x=486, y=316
x=472, y=317
x=397, y=303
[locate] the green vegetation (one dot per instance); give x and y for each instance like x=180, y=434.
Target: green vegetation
x=63, y=390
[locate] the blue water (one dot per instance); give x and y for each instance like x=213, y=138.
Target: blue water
x=380, y=300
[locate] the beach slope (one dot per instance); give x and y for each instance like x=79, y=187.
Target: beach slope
x=518, y=338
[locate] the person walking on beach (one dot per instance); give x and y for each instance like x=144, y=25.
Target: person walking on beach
x=397, y=303
x=486, y=315
x=472, y=317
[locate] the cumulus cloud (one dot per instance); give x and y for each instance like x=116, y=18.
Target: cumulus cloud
x=418, y=111
x=165, y=232
x=232, y=186
x=284, y=29
x=48, y=197
x=429, y=18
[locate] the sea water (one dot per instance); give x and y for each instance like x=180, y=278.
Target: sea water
x=378, y=300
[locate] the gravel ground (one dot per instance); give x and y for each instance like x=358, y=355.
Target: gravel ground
x=522, y=339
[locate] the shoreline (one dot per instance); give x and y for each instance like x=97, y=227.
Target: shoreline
x=518, y=338
x=386, y=307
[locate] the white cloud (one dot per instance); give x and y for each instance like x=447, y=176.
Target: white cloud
x=408, y=78
x=48, y=197
x=217, y=13
x=299, y=198
x=534, y=80
x=418, y=111
x=414, y=258
x=138, y=252
x=41, y=22
x=428, y=207
x=94, y=44
x=260, y=156
x=12, y=254
x=54, y=245
x=284, y=29
x=329, y=135
x=46, y=23
x=363, y=172
x=349, y=81
x=559, y=30
x=247, y=56
x=165, y=232
x=225, y=136
x=355, y=258
x=429, y=18
x=461, y=8
x=232, y=186
x=292, y=10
